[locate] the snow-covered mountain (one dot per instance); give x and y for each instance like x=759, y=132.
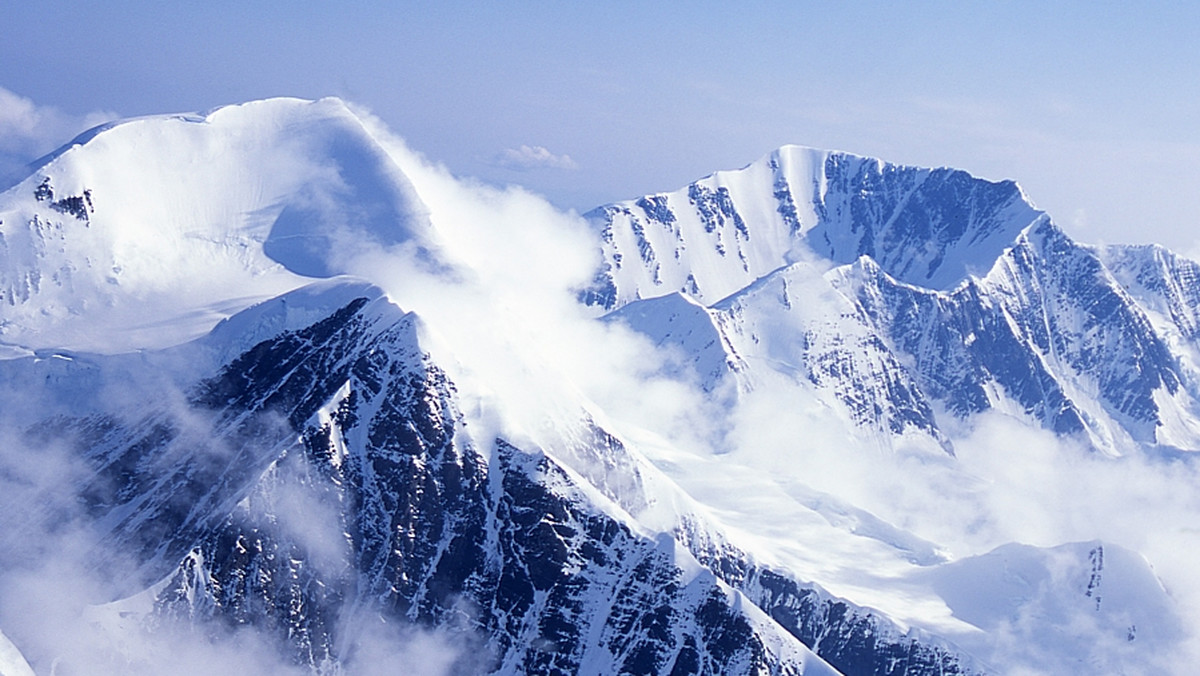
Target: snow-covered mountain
x=897, y=291
x=278, y=391
x=147, y=223
x=928, y=227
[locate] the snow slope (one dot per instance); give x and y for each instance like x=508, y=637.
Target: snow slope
x=145, y=232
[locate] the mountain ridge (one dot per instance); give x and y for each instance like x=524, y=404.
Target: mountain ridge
x=805, y=203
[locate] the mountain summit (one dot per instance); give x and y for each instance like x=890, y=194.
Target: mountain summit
x=182, y=218
x=926, y=227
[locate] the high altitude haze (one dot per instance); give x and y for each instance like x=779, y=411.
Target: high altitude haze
x=1093, y=108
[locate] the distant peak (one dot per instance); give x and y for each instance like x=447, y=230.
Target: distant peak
x=926, y=227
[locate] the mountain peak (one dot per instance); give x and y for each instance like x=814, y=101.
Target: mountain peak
x=927, y=227
x=183, y=215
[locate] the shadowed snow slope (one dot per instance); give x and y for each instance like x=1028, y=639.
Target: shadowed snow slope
x=1076, y=608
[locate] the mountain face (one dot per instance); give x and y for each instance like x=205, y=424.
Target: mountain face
x=265, y=397
x=927, y=227
x=936, y=291
x=348, y=421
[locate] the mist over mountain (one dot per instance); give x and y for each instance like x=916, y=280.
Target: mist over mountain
x=282, y=394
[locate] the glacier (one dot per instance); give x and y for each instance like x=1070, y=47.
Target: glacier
x=278, y=388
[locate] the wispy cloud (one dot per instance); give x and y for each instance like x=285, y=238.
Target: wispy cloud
x=29, y=130
x=526, y=158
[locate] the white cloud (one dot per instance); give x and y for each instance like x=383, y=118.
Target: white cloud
x=28, y=130
x=527, y=158
x=508, y=315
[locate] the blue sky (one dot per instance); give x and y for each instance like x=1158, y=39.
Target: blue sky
x=1093, y=107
